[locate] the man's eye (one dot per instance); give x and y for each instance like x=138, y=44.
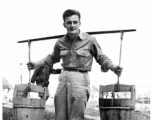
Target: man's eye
x=75, y=22
x=68, y=23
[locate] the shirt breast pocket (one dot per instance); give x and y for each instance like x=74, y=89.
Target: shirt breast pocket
x=64, y=56
x=82, y=57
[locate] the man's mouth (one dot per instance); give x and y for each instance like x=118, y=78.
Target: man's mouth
x=72, y=29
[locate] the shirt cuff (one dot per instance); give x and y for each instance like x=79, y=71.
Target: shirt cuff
x=48, y=60
x=111, y=66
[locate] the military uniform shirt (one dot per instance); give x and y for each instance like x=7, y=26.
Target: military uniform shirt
x=78, y=54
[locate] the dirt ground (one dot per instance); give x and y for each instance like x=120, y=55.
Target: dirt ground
x=91, y=113
x=8, y=115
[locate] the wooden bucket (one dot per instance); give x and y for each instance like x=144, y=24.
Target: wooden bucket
x=28, y=108
x=116, y=108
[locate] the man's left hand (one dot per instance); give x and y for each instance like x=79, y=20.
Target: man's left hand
x=117, y=70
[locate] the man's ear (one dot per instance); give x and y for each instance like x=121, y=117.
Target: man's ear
x=64, y=25
x=80, y=23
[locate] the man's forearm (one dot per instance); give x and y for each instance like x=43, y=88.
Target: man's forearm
x=40, y=63
x=111, y=66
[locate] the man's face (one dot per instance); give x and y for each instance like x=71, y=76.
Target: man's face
x=72, y=24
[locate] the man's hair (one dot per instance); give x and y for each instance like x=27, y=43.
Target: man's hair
x=71, y=12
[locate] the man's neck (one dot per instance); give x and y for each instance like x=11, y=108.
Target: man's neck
x=73, y=36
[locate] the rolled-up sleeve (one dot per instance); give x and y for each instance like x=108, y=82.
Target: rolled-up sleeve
x=54, y=57
x=101, y=58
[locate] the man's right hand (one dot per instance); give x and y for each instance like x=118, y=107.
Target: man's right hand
x=31, y=65
x=117, y=70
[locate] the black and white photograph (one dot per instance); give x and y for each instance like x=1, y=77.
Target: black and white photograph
x=76, y=59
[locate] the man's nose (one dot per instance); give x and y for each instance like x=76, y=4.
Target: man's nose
x=72, y=24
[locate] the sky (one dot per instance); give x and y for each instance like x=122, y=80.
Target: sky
x=26, y=19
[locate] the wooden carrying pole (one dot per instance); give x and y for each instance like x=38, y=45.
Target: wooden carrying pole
x=91, y=33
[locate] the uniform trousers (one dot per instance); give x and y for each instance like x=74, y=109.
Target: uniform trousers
x=71, y=96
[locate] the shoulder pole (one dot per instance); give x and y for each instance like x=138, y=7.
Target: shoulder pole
x=91, y=33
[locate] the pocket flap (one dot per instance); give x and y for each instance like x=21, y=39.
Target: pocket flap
x=83, y=53
x=63, y=52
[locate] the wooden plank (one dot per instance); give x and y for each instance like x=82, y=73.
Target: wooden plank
x=112, y=88
x=121, y=108
x=29, y=102
x=133, y=94
x=38, y=102
x=22, y=101
x=101, y=91
x=28, y=114
x=34, y=88
x=115, y=103
x=116, y=114
x=21, y=87
x=15, y=92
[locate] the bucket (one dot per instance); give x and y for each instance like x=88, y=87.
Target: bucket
x=117, y=106
x=28, y=108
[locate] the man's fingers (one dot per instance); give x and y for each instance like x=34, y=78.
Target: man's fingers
x=30, y=65
x=118, y=71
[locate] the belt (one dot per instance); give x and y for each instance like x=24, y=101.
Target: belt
x=71, y=69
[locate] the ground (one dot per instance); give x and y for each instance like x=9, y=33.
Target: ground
x=91, y=113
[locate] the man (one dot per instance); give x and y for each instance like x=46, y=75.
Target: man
x=76, y=49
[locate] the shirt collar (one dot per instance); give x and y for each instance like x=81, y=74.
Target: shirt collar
x=82, y=35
